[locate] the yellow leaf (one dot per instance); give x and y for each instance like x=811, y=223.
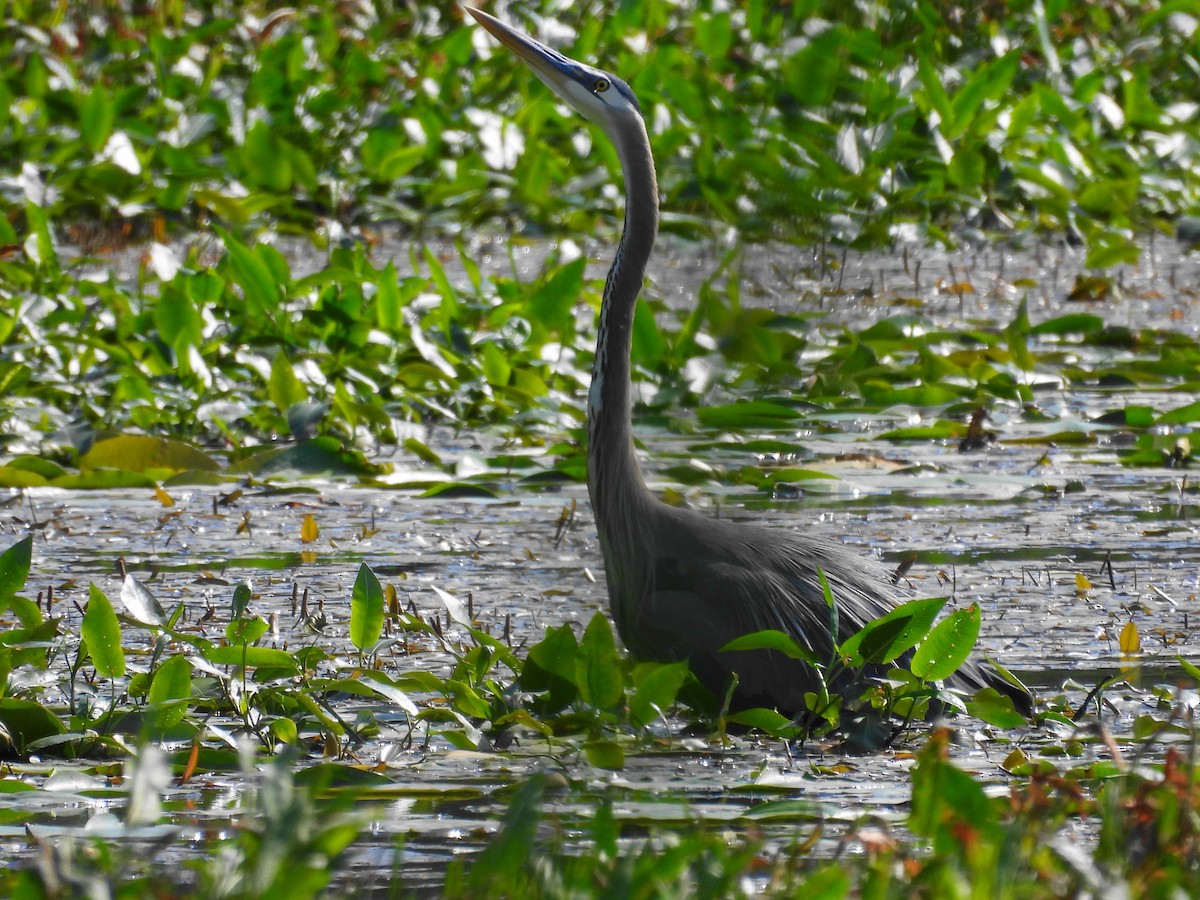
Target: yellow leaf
x=1015, y=760
x=1130, y=642
x=162, y=496
x=309, y=531
x=1082, y=583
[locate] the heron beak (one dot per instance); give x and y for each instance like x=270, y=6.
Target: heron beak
x=549, y=65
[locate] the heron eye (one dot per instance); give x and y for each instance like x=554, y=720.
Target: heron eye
x=601, y=85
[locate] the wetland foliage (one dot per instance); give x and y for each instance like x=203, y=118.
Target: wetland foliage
x=236, y=250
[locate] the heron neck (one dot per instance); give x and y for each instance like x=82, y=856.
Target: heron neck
x=615, y=480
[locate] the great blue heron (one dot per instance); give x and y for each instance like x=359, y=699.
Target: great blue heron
x=682, y=585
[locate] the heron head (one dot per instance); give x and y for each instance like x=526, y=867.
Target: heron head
x=599, y=96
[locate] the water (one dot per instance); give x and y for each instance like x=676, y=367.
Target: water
x=1009, y=528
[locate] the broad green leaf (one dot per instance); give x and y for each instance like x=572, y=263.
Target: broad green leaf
x=20, y=478
x=26, y=722
x=892, y=634
x=605, y=754
x=139, y=452
x=140, y=603
x=768, y=721
x=948, y=645
x=1181, y=415
x=943, y=795
x=648, y=343
x=1077, y=323
x=259, y=287
x=552, y=308
x=754, y=414
x=598, y=668
x=96, y=116
x=246, y=629
x=14, y=568
x=284, y=389
x=657, y=687
x=555, y=654
x=366, y=609
x=254, y=657
x=170, y=692
x=172, y=681
x=496, y=367
x=102, y=632
x=772, y=640
x=103, y=480
x=995, y=708
x=178, y=322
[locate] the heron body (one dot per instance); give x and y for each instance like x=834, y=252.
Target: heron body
x=682, y=585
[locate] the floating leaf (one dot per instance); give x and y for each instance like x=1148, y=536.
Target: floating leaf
x=139, y=453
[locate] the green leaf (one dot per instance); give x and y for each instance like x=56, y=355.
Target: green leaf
x=598, y=668
x=284, y=389
x=657, y=686
x=554, y=655
x=242, y=594
x=496, y=367
x=140, y=452
x=246, y=629
x=27, y=722
x=507, y=854
x=943, y=795
x=14, y=569
x=648, y=343
x=884, y=639
x=768, y=721
x=254, y=657
x=552, y=309
x=96, y=116
x=259, y=287
x=995, y=708
x=366, y=609
x=772, y=640
x=103, y=480
x=177, y=320
x=1181, y=415
x=102, y=632
x=605, y=754
x=755, y=414
x=948, y=645
x=1191, y=668
x=1077, y=323
x=170, y=692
